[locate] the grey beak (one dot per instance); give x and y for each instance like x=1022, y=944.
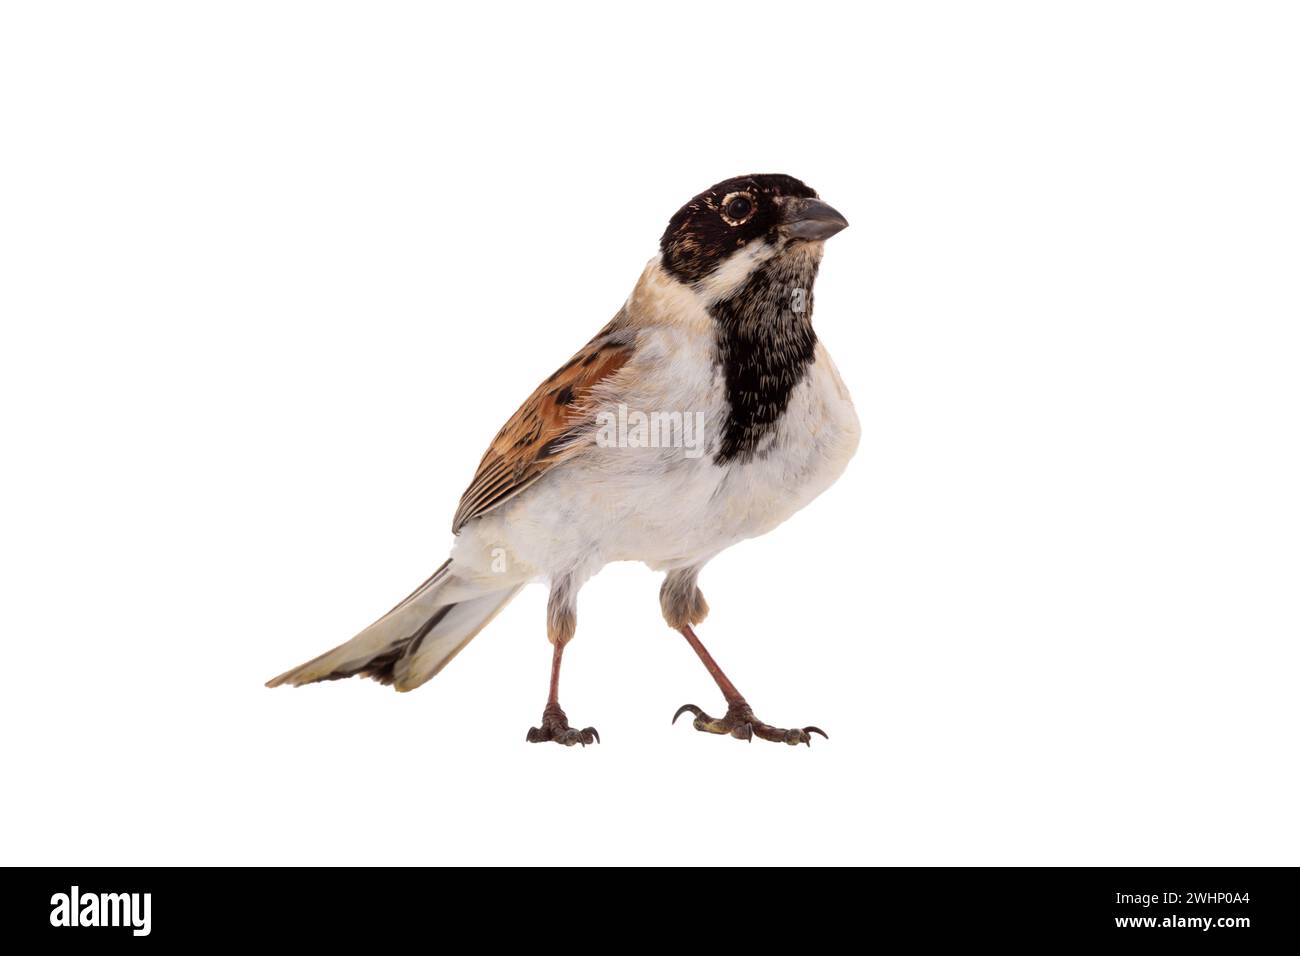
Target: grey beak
x=810, y=219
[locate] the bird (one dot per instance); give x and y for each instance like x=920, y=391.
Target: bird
x=705, y=413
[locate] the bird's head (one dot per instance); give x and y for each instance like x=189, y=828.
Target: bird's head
x=731, y=229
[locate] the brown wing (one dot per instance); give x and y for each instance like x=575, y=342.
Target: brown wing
x=547, y=429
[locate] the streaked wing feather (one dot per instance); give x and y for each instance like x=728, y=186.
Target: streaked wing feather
x=548, y=428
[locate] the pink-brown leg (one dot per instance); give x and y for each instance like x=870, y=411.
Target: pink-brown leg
x=555, y=725
x=739, y=721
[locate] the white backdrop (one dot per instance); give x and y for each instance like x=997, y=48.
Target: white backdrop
x=273, y=274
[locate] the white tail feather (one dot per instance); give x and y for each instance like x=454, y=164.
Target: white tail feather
x=456, y=629
x=414, y=640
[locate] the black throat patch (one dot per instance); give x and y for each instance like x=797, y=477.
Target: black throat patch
x=765, y=343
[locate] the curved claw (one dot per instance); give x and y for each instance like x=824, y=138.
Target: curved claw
x=684, y=708
x=740, y=722
x=562, y=734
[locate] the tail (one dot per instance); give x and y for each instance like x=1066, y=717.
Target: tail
x=414, y=640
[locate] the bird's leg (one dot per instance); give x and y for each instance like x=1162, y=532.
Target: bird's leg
x=562, y=621
x=739, y=720
x=555, y=725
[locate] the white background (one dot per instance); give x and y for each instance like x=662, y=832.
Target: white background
x=273, y=275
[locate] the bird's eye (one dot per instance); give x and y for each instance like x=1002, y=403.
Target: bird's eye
x=737, y=207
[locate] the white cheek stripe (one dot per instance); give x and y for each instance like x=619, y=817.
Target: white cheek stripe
x=729, y=276
x=661, y=299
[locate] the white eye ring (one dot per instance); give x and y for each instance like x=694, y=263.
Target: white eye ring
x=728, y=199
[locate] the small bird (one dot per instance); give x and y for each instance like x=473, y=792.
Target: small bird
x=706, y=412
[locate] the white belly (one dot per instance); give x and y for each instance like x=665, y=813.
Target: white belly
x=670, y=507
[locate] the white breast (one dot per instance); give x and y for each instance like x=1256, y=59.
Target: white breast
x=671, y=507
x=809, y=450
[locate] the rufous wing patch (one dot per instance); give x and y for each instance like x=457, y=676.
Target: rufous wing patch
x=548, y=428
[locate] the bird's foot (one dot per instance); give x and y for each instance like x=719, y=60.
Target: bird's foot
x=555, y=727
x=741, y=723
